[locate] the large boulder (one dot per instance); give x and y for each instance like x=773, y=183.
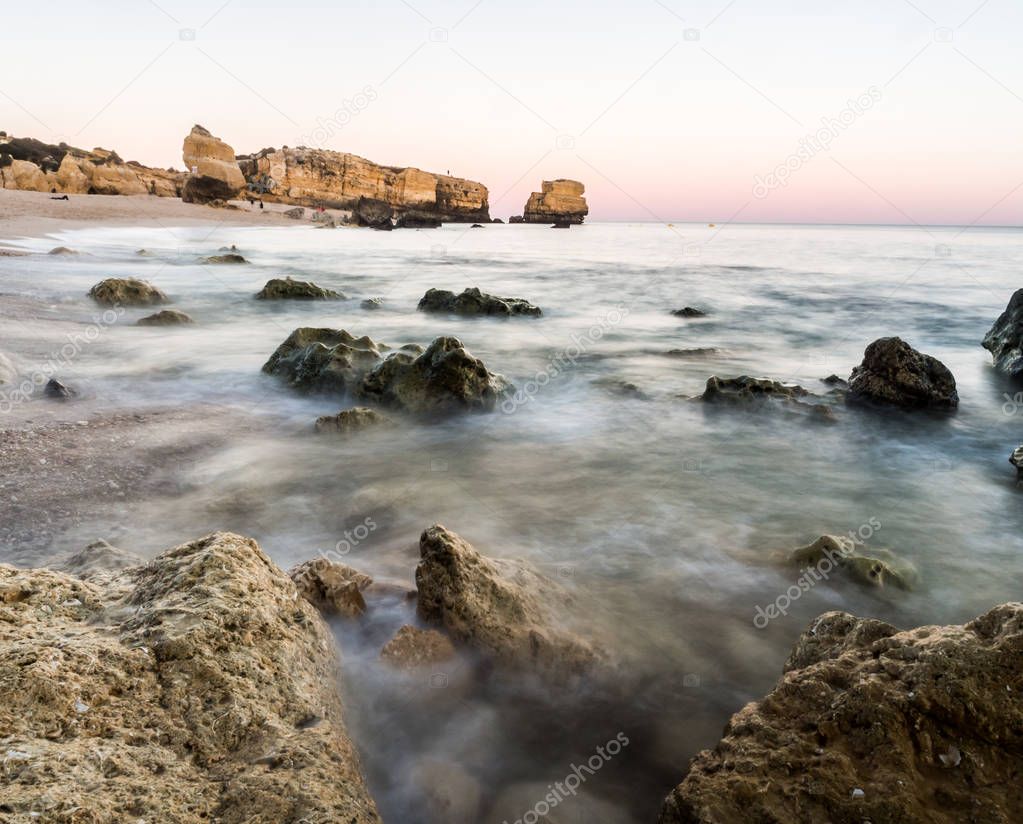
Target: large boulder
x=504, y=609
x=872, y=724
x=25, y=175
x=324, y=360
x=474, y=302
x=213, y=170
x=126, y=292
x=445, y=378
x=199, y=686
x=290, y=289
x=560, y=201
x=894, y=373
x=1005, y=338
x=373, y=213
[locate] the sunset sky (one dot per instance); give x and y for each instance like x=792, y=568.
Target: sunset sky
x=665, y=110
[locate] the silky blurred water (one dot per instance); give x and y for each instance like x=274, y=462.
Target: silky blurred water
x=660, y=516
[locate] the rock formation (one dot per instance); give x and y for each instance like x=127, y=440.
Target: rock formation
x=474, y=302
x=126, y=292
x=350, y=421
x=213, y=172
x=196, y=687
x=334, y=589
x=412, y=647
x=1005, y=338
x=503, y=608
x=879, y=568
x=166, y=317
x=872, y=724
x=289, y=289
x=320, y=177
x=324, y=360
x=689, y=312
x=894, y=373
x=560, y=201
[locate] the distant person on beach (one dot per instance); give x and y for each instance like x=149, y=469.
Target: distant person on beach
x=62, y=197
x=260, y=203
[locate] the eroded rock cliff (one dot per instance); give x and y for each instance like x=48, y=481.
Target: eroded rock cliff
x=560, y=201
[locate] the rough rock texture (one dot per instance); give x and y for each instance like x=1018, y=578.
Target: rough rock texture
x=334, y=589
x=319, y=177
x=503, y=608
x=376, y=214
x=894, y=373
x=198, y=687
x=288, y=289
x=747, y=391
x=560, y=201
x=474, y=302
x=350, y=421
x=872, y=724
x=165, y=317
x=445, y=378
x=126, y=292
x=56, y=390
x=98, y=558
x=412, y=648
x=1005, y=338
x=324, y=360
x=871, y=566
x=1015, y=458
x=213, y=172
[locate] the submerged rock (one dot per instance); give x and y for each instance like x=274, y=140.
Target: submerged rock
x=688, y=312
x=1005, y=338
x=376, y=214
x=290, y=289
x=1016, y=459
x=474, y=302
x=349, y=421
x=126, y=292
x=411, y=220
x=62, y=250
x=165, y=317
x=697, y=352
x=412, y=648
x=874, y=567
x=894, y=373
x=230, y=257
x=504, y=609
x=446, y=378
x=324, y=360
x=98, y=558
x=334, y=589
x=863, y=706
x=746, y=391
x=58, y=391
x=372, y=303
x=180, y=690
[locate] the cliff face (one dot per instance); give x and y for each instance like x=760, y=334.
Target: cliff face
x=213, y=172
x=319, y=177
x=561, y=200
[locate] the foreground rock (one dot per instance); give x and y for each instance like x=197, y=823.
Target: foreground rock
x=165, y=317
x=873, y=567
x=196, y=687
x=98, y=558
x=894, y=373
x=58, y=391
x=213, y=171
x=474, y=302
x=334, y=589
x=126, y=292
x=688, y=312
x=753, y=394
x=504, y=609
x=228, y=258
x=324, y=360
x=559, y=201
x=412, y=648
x=289, y=289
x=350, y=421
x=1005, y=338
x=872, y=724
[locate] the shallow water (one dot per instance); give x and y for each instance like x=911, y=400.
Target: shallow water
x=660, y=516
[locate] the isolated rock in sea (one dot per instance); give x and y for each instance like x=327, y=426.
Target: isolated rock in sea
x=412, y=648
x=198, y=686
x=213, y=171
x=689, y=312
x=372, y=303
x=165, y=317
x=446, y=378
x=924, y=723
x=747, y=391
x=1005, y=338
x=835, y=381
x=376, y=214
x=474, y=302
x=230, y=257
x=350, y=421
x=126, y=292
x=874, y=567
x=697, y=352
x=1016, y=459
x=504, y=609
x=516, y=219
x=559, y=201
x=621, y=388
x=894, y=373
x=334, y=589
x=62, y=251
x=324, y=360
x=98, y=558
x=58, y=391
x=320, y=177
x=289, y=289
x=413, y=220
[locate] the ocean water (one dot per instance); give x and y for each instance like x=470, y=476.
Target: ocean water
x=664, y=519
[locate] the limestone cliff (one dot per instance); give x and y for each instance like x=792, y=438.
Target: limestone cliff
x=561, y=201
x=320, y=177
x=213, y=172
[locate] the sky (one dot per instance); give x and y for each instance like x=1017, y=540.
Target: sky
x=881, y=111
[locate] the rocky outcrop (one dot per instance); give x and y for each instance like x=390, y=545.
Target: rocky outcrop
x=350, y=421
x=213, y=171
x=879, y=568
x=474, y=302
x=1005, y=338
x=895, y=374
x=334, y=589
x=126, y=292
x=319, y=177
x=229, y=258
x=444, y=379
x=288, y=289
x=872, y=724
x=755, y=394
x=198, y=686
x=559, y=201
x=689, y=312
x=324, y=360
x=502, y=608
x=412, y=648
x=166, y=317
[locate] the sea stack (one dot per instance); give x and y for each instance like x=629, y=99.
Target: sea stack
x=213, y=171
x=561, y=201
